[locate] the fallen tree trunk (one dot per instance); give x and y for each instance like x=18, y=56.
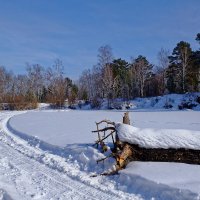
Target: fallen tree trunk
x=132, y=152
x=180, y=155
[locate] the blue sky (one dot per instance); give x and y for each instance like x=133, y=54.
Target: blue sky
x=40, y=31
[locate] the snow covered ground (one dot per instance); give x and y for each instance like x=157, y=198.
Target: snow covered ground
x=49, y=155
x=166, y=102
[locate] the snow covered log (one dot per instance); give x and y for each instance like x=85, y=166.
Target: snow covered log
x=160, y=145
x=158, y=138
x=181, y=155
x=167, y=145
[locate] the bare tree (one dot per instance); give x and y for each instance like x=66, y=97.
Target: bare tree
x=22, y=85
x=6, y=79
x=185, y=53
x=109, y=83
x=2, y=83
x=105, y=56
x=57, y=84
x=35, y=80
x=163, y=63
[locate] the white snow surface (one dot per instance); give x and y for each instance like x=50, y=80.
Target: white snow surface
x=49, y=155
x=65, y=127
x=158, y=138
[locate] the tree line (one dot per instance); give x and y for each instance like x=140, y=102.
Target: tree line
x=37, y=85
x=110, y=78
x=113, y=78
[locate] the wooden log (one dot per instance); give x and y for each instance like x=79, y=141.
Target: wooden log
x=123, y=157
x=126, y=119
x=181, y=155
x=99, y=138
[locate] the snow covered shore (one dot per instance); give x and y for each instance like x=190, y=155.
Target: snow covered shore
x=159, y=103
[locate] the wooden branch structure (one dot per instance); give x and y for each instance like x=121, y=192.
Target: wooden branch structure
x=106, y=121
x=124, y=152
x=101, y=137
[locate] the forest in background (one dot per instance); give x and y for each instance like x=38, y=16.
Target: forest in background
x=110, y=78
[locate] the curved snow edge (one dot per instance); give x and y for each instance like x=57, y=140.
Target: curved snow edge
x=61, y=164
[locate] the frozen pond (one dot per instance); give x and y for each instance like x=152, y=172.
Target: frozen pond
x=69, y=127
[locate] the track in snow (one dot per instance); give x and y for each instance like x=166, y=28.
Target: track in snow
x=22, y=167
x=54, y=185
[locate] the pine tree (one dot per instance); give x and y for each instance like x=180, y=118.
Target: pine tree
x=196, y=67
x=198, y=37
x=179, y=65
x=120, y=72
x=160, y=76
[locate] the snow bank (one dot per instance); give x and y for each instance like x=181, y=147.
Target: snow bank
x=165, y=102
x=159, y=138
x=156, y=181
x=176, y=175
x=49, y=126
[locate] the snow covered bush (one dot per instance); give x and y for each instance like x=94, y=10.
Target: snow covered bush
x=186, y=105
x=198, y=99
x=96, y=103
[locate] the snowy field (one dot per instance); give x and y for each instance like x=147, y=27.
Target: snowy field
x=49, y=155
